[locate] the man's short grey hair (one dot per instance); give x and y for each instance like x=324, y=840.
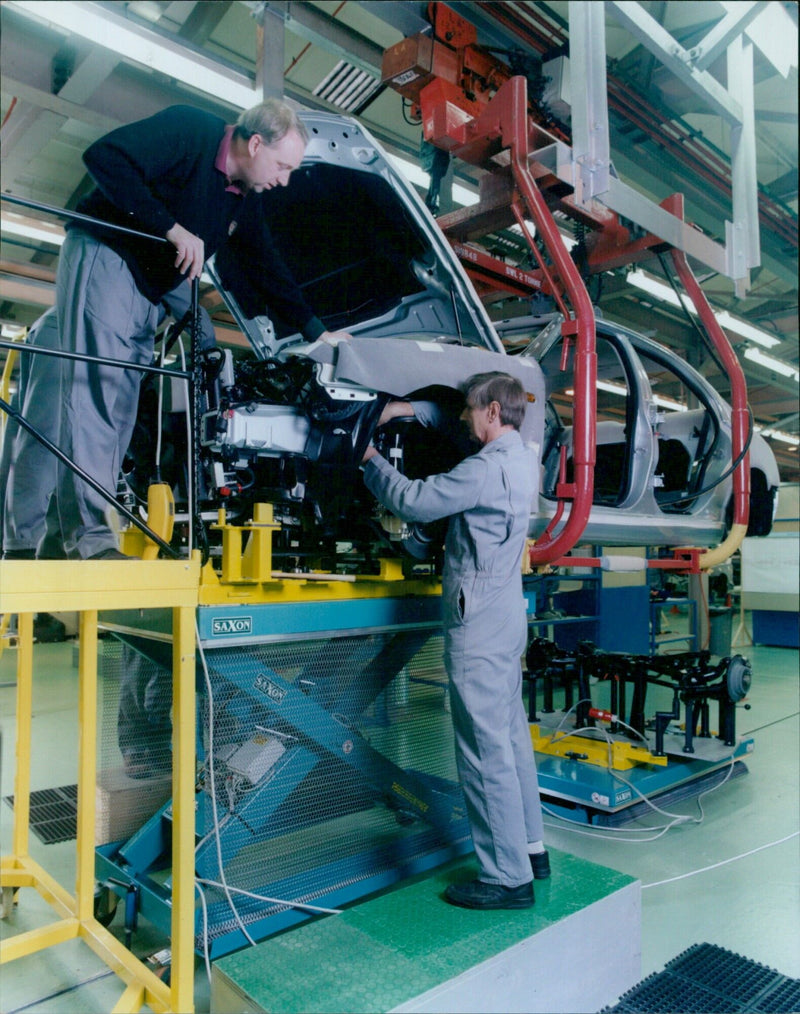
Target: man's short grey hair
x=483, y=388
x=273, y=119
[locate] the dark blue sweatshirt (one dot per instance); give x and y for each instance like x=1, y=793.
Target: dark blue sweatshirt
x=159, y=171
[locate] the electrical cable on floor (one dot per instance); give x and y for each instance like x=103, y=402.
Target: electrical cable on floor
x=274, y=901
x=228, y=890
x=204, y=906
x=588, y=832
x=37, y=1004
x=675, y=818
x=711, y=788
x=768, y=725
x=723, y=862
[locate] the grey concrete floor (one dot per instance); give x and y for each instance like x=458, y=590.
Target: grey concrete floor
x=731, y=879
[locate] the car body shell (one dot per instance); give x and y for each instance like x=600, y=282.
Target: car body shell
x=373, y=261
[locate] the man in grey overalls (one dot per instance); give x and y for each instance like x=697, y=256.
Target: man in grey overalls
x=488, y=499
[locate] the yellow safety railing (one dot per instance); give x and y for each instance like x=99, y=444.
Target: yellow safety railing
x=27, y=587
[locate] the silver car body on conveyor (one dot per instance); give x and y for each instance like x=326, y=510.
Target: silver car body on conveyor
x=373, y=261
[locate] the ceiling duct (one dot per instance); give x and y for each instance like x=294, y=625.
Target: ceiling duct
x=347, y=87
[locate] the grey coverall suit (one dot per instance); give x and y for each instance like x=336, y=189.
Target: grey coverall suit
x=488, y=498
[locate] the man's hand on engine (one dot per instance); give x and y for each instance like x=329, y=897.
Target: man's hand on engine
x=396, y=410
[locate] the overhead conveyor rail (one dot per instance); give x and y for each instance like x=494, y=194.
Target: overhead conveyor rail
x=481, y=115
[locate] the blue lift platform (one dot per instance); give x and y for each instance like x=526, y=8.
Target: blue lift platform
x=325, y=768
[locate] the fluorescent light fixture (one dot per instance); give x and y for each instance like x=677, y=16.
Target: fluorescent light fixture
x=347, y=86
x=771, y=363
x=724, y=319
x=741, y=327
x=784, y=438
x=412, y=172
x=466, y=198
x=139, y=45
x=11, y=332
x=657, y=289
x=669, y=403
x=148, y=10
x=28, y=228
x=611, y=388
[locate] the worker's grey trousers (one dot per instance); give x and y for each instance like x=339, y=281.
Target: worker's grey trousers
x=145, y=702
x=100, y=313
x=485, y=636
x=28, y=469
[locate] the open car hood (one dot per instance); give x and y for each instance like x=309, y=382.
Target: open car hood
x=364, y=249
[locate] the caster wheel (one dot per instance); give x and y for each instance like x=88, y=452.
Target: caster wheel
x=6, y=902
x=105, y=906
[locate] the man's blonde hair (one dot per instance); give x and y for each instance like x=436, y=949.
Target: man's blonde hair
x=272, y=119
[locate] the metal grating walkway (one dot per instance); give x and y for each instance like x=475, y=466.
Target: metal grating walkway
x=54, y=813
x=707, y=979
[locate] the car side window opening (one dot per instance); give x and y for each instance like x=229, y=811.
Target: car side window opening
x=617, y=405
x=687, y=433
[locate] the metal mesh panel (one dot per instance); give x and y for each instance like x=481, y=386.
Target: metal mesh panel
x=330, y=761
x=135, y=733
x=326, y=768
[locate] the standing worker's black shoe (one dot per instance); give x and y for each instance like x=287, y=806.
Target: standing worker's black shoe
x=540, y=864
x=19, y=554
x=477, y=894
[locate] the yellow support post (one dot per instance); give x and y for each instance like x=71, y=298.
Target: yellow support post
x=87, y=763
x=258, y=552
x=42, y=586
x=22, y=777
x=183, y=809
x=253, y=564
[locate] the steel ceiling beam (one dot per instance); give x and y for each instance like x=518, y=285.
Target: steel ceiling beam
x=143, y=47
x=655, y=38
x=713, y=45
x=87, y=77
x=55, y=104
x=202, y=21
x=271, y=49
x=406, y=18
x=310, y=24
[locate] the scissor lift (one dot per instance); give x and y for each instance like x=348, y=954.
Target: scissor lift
x=325, y=761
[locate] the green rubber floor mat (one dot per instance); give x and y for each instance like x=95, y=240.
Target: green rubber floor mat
x=397, y=945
